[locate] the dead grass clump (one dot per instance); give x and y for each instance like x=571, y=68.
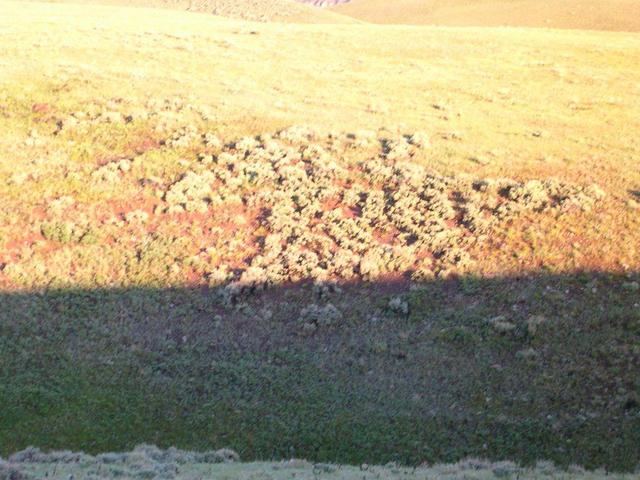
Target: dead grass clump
x=112, y=458
x=28, y=455
x=211, y=140
x=538, y=195
x=112, y=171
x=397, y=149
x=67, y=231
x=527, y=354
x=58, y=231
x=110, y=117
x=222, y=455
x=297, y=134
x=174, y=455
x=314, y=317
x=35, y=455
x=18, y=178
x=58, y=205
x=136, y=216
x=34, y=139
x=149, y=461
x=399, y=305
x=420, y=140
x=9, y=471
x=184, y=137
x=534, y=323
x=501, y=325
x=192, y=193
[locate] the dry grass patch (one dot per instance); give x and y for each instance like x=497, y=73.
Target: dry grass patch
x=616, y=15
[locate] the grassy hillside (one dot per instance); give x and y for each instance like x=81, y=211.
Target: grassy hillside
x=350, y=243
x=615, y=15
x=282, y=11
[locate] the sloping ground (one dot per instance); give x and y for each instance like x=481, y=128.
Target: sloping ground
x=443, y=264
x=150, y=462
x=613, y=15
x=323, y=3
x=284, y=11
x=521, y=105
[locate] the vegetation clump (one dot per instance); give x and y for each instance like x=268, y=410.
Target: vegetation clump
x=112, y=171
x=323, y=217
x=314, y=316
x=301, y=204
x=192, y=193
x=398, y=305
x=144, y=461
x=149, y=462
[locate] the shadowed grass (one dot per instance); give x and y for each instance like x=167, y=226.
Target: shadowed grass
x=104, y=370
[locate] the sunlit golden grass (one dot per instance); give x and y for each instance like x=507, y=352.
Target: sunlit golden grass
x=285, y=11
x=517, y=103
x=613, y=15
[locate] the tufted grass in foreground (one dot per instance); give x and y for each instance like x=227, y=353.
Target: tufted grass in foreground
x=150, y=462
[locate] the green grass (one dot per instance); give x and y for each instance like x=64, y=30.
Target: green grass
x=102, y=370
